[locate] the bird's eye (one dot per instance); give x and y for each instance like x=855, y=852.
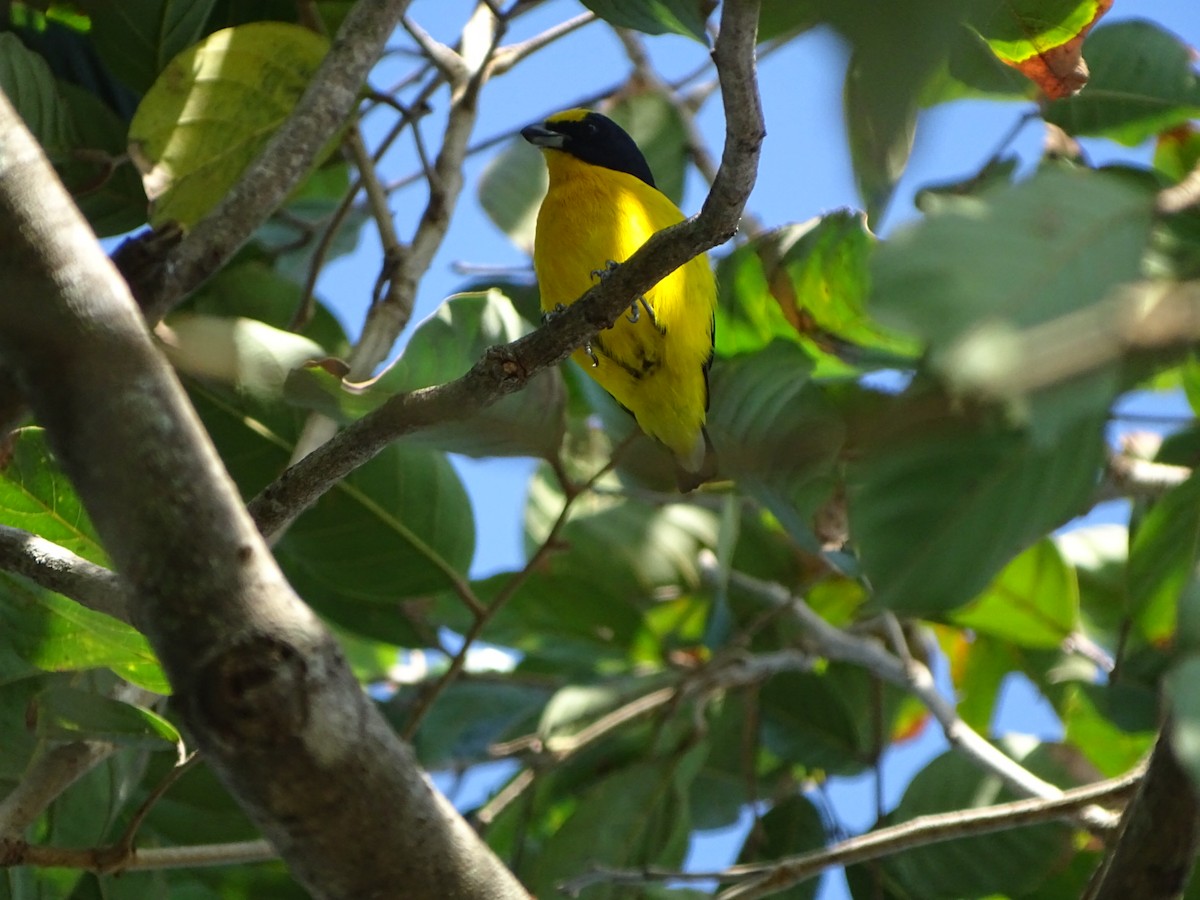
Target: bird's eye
x=590, y=129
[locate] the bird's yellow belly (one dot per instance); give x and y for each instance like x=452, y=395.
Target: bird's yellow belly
x=653, y=366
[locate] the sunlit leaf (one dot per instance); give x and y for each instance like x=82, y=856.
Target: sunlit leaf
x=1042, y=40
x=1033, y=602
x=212, y=110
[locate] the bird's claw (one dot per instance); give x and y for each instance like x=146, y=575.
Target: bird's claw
x=609, y=268
x=587, y=348
x=635, y=311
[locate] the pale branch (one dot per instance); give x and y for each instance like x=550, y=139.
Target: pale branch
x=755, y=880
x=57, y=569
x=914, y=677
x=506, y=369
x=327, y=103
x=510, y=54
x=52, y=771
x=258, y=680
x=102, y=860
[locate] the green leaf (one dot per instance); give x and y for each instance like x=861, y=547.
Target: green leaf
x=980, y=273
x=251, y=288
x=55, y=634
x=655, y=124
x=768, y=421
x=686, y=17
x=1013, y=862
x=881, y=124
x=1142, y=82
x=778, y=18
x=1098, y=554
x=938, y=511
x=634, y=817
x=106, y=188
x=136, y=38
x=35, y=495
x=444, y=347
x=511, y=189
x=398, y=527
x=790, y=827
x=1033, y=602
x=30, y=86
x=288, y=238
x=213, y=109
x=1017, y=30
x=1162, y=555
x=67, y=714
x=820, y=277
x=749, y=316
x=1022, y=256
x=470, y=716
x=1177, y=151
x=810, y=720
x=1113, y=725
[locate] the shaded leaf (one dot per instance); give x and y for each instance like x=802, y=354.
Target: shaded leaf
x=1113, y=725
x=655, y=124
x=634, y=817
x=137, y=38
x=686, y=17
x=213, y=109
x=790, y=827
x=937, y=512
x=67, y=714
x=1012, y=862
x=1162, y=554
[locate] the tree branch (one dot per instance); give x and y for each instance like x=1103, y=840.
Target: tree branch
x=258, y=680
x=763, y=879
x=57, y=569
x=506, y=369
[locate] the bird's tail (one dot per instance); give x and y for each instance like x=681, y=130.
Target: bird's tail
x=699, y=466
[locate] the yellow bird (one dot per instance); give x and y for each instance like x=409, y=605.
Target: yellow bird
x=601, y=207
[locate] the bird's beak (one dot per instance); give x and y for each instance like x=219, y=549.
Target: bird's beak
x=540, y=136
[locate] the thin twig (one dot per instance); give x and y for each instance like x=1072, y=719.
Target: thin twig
x=58, y=569
x=915, y=678
x=762, y=879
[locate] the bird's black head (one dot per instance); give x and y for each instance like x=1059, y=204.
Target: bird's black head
x=593, y=138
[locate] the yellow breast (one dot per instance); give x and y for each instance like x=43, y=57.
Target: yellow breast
x=654, y=367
